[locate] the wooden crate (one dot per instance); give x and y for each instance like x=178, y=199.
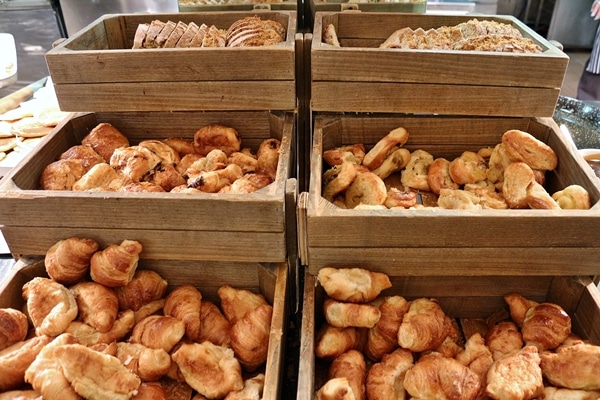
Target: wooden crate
x=285, y=5
x=360, y=77
x=271, y=280
x=98, y=65
x=461, y=298
x=449, y=242
x=177, y=226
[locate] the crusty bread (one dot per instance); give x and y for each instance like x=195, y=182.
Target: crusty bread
x=214, y=37
x=199, y=36
x=140, y=36
x=165, y=33
x=153, y=30
x=188, y=35
x=254, y=31
x=177, y=33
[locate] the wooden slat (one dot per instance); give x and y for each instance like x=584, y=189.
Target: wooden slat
x=306, y=367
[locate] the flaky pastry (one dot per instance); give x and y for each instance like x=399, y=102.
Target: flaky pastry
x=424, y=326
x=516, y=376
x=250, y=337
x=15, y=359
x=573, y=367
x=104, y=139
x=13, y=327
x=50, y=306
x=158, y=332
x=145, y=286
x=383, y=337
x=342, y=314
x=354, y=285
x=98, y=305
x=116, y=264
x=385, y=379
x=183, y=303
x=546, y=326
x=351, y=365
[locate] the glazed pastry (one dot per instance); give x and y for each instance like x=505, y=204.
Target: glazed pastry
x=99, y=176
x=183, y=303
x=158, y=332
x=90, y=336
x=366, y=189
x=236, y=303
x=546, y=326
x=335, y=389
x=351, y=365
x=135, y=162
x=145, y=287
x=354, y=285
x=216, y=136
x=167, y=155
x=214, y=327
x=383, y=337
x=104, y=139
x=385, y=380
x=424, y=327
x=86, y=154
x=337, y=179
x=61, y=174
x=116, y=264
x=516, y=376
x=211, y=370
x=395, y=161
x=354, y=153
x=68, y=260
x=504, y=338
x=332, y=341
x=415, y=173
x=50, y=306
x=45, y=375
x=149, y=364
x=524, y=147
x=573, y=197
x=573, y=367
x=342, y=315
x=438, y=176
x=250, y=337
x=98, y=305
x=253, y=389
x=13, y=327
x=15, y=359
x=518, y=306
x=96, y=375
x=268, y=156
x=470, y=167
x=438, y=377
x=517, y=178
x=375, y=157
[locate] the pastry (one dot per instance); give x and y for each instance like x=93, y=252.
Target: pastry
x=268, y=156
x=383, y=337
x=516, y=376
x=351, y=365
x=250, y=337
x=104, y=139
x=99, y=176
x=335, y=389
x=158, y=332
x=376, y=155
x=517, y=178
x=354, y=153
x=183, y=303
x=98, y=305
x=337, y=179
x=504, y=338
x=116, y=264
x=135, y=162
x=573, y=367
x=415, y=174
x=524, y=147
x=354, y=285
x=424, y=326
x=385, y=379
x=332, y=341
x=216, y=136
x=86, y=154
x=16, y=358
x=236, y=303
x=145, y=287
x=253, y=389
x=61, y=174
x=518, y=306
x=546, y=326
x=214, y=327
x=254, y=31
x=395, y=161
x=438, y=176
x=89, y=336
x=573, y=197
x=147, y=363
x=366, y=189
x=343, y=315
x=470, y=167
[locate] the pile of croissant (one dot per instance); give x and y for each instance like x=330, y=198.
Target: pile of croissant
x=100, y=328
x=509, y=175
x=212, y=162
x=385, y=347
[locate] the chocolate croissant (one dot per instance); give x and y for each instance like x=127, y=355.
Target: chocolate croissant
x=68, y=260
x=104, y=139
x=250, y=337
x=183, y=303
x=145, y=287
x=98, y=305
x=13, y=327
x=116, y=264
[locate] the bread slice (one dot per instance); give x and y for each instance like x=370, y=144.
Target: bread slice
x=199, y=36
x=165, y=33
x=188, y=35
x=155, y=27
x=140, y=35
x=215, y=37
x=174, y=37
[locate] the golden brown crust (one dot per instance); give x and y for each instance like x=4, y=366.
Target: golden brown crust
x=424, y=327
x=332, y=341
x=517, y=178
x=13, y=327
x=354, y=285
x=68, y=260
x=145, y=287
x=546, y=326
x=366, y=189
x=523, y=147
x=216, y=136
x=342, y=314
x=104, y=139
x=158, y=332
x=16, y=358
x=98, y=305
x=516, y=376
x=116, y=264
x=86, y=154
x=268, y=156
x=438, y=176
x=385, y=380
x=61, y=174
x=573, y=367
x=573, y=197
x=236, y=303
x=381, y=150
x=383, y=337
x=147, y=363
x=214, y=327
x=250, y=337
x=183, y=303
x=351, y=365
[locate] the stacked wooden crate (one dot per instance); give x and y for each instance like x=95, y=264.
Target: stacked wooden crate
x=450, y=102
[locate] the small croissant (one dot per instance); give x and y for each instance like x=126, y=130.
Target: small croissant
x=250, y=337
x=145, y=287
x=158, y=332
x=116, y=264
x=89, y=336
x=68, y=260
x=13, y=327
x=149, y=364
x=342, y=315
x=98, y=305
x=352, y=366
x=236, y=303
x=183, y=303
x=354, y=285
x=332, y=341
x=518, y=306
x=424, y=327
x=214, y=327
x=383, y=337
x=546, y=326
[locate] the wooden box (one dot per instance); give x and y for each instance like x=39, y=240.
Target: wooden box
x=361, y=77
x=176, y=226
x=98, y=65
x=271, y=280
x=236, y=5
x=449, y=242
x=462, y=298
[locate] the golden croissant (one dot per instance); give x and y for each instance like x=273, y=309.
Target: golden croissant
x=45, y=375
x=149, y=364
x=250, y=337
x=89, y=336
x=15, y=359
x=95, y=375
x=335, y=389
x=236, y=303
x=383, y=337
x=516, y=376
x=145, y=286
x=573, y=367
x=504, y=338
x=332, y=341
x=68, y=260
x=546, y=326
x=158, y=332
x=424, y=327
x=98, y=305
x=342, y=315
x=214, y=327
x=183, y=303
x=13, y=327
x=352, y=366
x=385, y=379
x=50, y=306
x=253, y=389
x=478, y=357
x=151, y=391
x=116, y=264
x=354, y=285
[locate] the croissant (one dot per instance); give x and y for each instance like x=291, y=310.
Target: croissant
x=552, y=393
x=98, y=305
x=573, y=367
x=151, y=391
x=15, y=359
x=518, y=306
x=104, y=139
x=167, y=154
x=268, y=156
x=50, y=306
x=546, y=326
x=516, y=376
x=354, y=285
x=478, y=357
x=96, y=375
x=383, y=337
x=351, y=365
x=149, y=309
x=332, y=341
x=438, y=377
x=385, y=379
x=250, y=337
x=158, y=332
x=61, y=174
x=253, y=389
x=342, y=315
x=149, y=364
x=68, y=260
x=13, y=327
x=116, y=264
x=424, y=327
x=504, y=338
x=145, y=286
x=45, y=375
x=214, y=327
x=335, y=389
x=236, y=303
x=86, y=154
x=517, y=178
x=20, y=395
x=211, y=370
x=183, y=303
x=90, y=336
